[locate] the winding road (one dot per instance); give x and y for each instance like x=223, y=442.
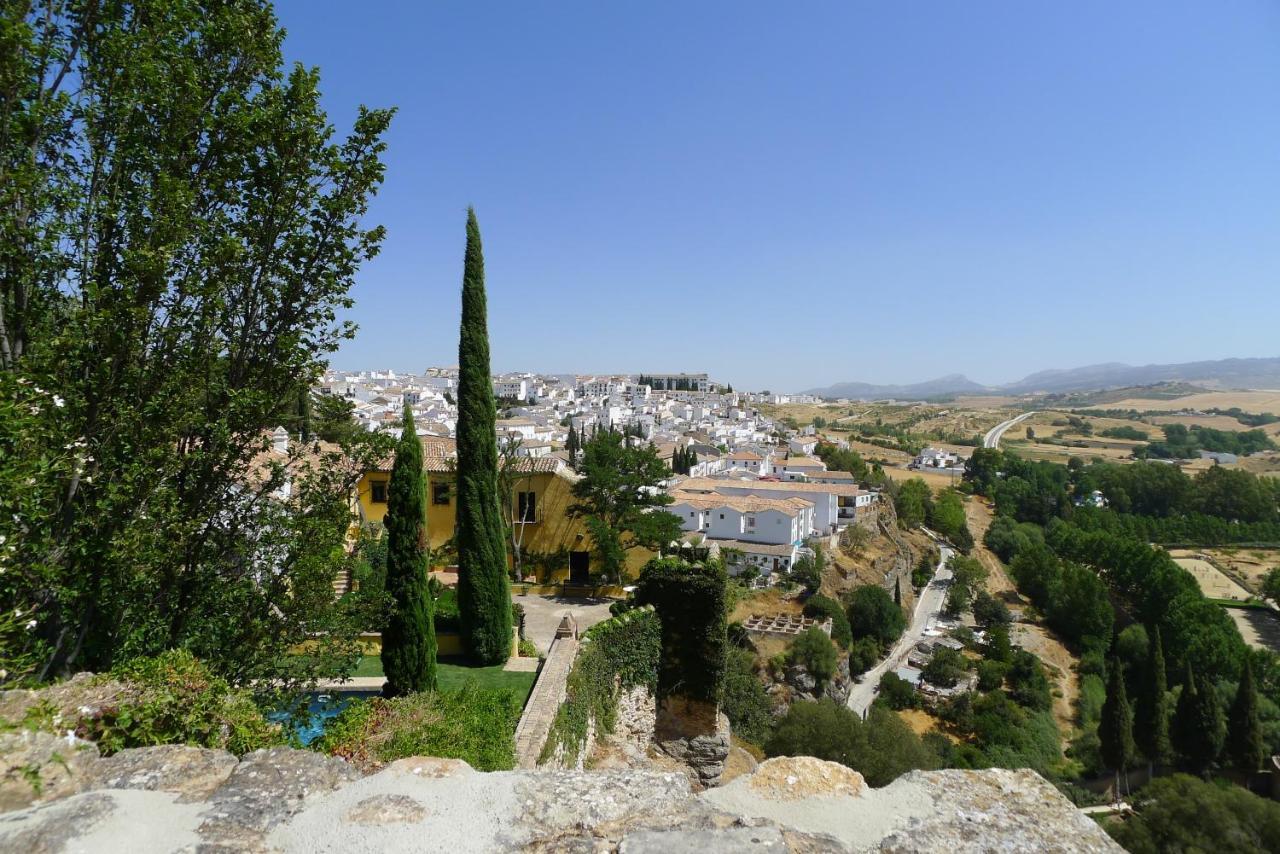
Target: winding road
x=928, y=606
x=996, y=433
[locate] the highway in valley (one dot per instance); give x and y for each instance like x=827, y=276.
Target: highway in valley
x=992, y=439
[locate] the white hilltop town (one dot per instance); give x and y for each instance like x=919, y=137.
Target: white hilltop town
x=751, y=489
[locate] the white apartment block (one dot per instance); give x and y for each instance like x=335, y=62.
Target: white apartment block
x=511, y=389
x=751, y=519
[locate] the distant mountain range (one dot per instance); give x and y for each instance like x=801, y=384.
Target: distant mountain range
x=1222, y=373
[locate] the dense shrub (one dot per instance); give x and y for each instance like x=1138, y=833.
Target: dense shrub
x=1028, y=684
x=881, y=748
x=991, y=675
x=744, y=699
x=174, y=699
x=823, y=607
x=476, y=725
x=873, y=613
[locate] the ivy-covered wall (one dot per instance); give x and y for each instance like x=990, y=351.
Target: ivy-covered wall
x=616, y=655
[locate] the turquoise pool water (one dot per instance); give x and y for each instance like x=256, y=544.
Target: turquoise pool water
x=323, y=707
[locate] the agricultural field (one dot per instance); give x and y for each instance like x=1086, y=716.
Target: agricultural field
x=1245, y=566
x=1249, y=401
x=1214, y=583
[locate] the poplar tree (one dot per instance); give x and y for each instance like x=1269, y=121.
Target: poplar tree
x=1115, y=729
x=1151, y=724
x=1244, y=732
x=409, y=638
x=484, y=593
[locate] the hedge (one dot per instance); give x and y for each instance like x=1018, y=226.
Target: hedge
x=691, y=603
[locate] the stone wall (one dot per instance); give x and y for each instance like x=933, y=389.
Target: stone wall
x=182, y=798
x=544, y=701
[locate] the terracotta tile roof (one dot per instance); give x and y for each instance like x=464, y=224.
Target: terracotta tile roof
x=711, y=484
x=742, y=503
x=784, y=550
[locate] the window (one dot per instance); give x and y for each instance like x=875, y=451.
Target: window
x=379, y=491
x=439, y=493
x=721, y=515
x=527, y=507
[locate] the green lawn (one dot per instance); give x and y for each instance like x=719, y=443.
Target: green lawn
x=452, y=675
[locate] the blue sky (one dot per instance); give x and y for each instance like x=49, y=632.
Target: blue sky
x=789, y=195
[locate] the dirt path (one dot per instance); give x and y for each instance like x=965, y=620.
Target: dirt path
x=1059, y=663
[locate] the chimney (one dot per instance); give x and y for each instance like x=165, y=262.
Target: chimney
x=280, y=440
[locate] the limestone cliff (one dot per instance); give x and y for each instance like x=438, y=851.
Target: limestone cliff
x=177, y=798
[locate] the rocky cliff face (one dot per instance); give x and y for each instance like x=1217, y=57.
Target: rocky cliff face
x=177, y=798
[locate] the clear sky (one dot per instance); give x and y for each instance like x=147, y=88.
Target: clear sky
x=788, y=195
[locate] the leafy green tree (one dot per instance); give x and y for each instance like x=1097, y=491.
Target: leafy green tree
x=947, y=517
x=863, y=655
x=1271, y=585
x=1181, y=813
x=897, y=693
x=824, y=607
x=945, y=668
x=805, y=572
x=872, y=613
x=988, y=610
x=1244, y=729
x=1151, y=717
x=924, y=569
x=333, y=420
x=999, y=647
x=619, y=496
x=912, y=502
x=814, y=650
x=484, y=593
x=179, y=232
x=1198, y=729
x=1115, y=729
x=409, y=638
x=881, y=749
x=968, y=577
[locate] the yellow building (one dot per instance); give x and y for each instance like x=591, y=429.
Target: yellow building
x=554, y=544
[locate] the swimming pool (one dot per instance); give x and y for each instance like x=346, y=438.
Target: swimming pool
x=322, y=707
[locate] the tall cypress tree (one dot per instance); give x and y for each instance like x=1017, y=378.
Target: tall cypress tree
x=1115, y=729
x=1151, y=717
x=484, y=593
x=1244, y=732
x=571, y=445
x=1198, y=724
x=409, y=638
